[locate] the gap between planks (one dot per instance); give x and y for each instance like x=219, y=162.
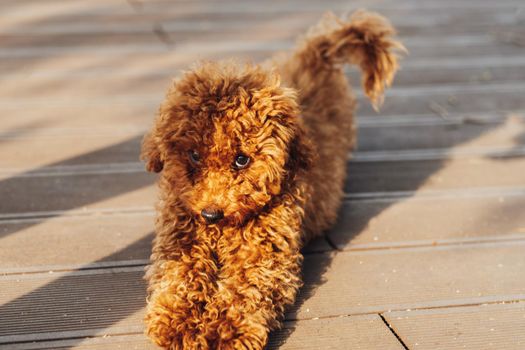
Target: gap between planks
x=393, y=332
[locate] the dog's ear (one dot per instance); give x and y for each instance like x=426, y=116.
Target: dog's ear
x=301, y=153
x=150, y=153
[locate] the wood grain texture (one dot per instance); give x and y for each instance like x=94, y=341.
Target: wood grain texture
x=111, y=142
x=381, y=280
x=470, y=173
x=366, y=332
x=85, y=242
x=506, y=133
x=84, y=192
x=80, y=242
x=410, y=221
x=482, y=327
x=40, y=306
x=360, y=332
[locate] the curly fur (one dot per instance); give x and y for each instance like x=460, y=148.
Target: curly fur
x=226, y=285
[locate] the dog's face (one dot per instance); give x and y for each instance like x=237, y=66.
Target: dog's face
x=228, y=142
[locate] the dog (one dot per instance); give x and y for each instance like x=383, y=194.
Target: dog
x=252, y=160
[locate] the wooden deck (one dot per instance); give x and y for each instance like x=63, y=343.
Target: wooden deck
x=429, y=251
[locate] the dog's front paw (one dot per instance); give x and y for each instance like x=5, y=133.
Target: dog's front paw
x=174, y=327
x=235, y=331
x=242, y=342
x=159, y=328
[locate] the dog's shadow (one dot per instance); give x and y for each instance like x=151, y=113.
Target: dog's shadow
x=314, y=273
x=352, y=220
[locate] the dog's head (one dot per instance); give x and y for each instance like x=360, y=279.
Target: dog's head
x=228, y=141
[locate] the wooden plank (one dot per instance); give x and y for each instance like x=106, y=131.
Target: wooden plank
x=366, y=332
x=16, y=14
x=297, y=23
x=75, y=178
x=390, y=174
x=85, y=242
x=461, y=47
x=26, y=149
x=242, y=8
x=479, y=327
x=360, y=332
x=152, y=90
x=103, y=342
x=132, y=108
x=70, y=40
x=467, y=135
x=36, y=306
x=460, y=100
x=452, y=92
x=60, y=116
x=54, y=4
x=432, y=119
x=434, y=174
x=75, y=63
x=73, y=22
x=83, y=192
x=34, y=148
x=419, y=220
x=123, y=188
x=87, y=83
x=148, y=68
x=412, y=76
x=366, y=223
x=269, y=38
x=376, y=281
x=374, y=222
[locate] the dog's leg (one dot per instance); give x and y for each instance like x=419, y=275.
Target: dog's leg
x=260, y=276
x=181, y=282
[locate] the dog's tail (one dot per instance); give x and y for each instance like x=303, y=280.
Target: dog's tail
x=366, y=40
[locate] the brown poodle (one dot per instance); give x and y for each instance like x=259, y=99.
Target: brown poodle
x=252, y=166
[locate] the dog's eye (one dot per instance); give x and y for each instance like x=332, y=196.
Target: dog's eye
x=194, y=157
x=241, y=161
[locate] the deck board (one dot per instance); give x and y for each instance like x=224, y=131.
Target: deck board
x=85, y=242
x=111, y=299
x=381, y=280
x=30, y=148
x=470, y=173
x=82, y=192
x=484, y=327
x=413, y=221
x=363, y=332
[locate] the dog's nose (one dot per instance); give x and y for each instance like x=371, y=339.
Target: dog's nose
x=212, y=215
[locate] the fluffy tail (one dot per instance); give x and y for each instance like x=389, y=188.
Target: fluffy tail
x=366, y=40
